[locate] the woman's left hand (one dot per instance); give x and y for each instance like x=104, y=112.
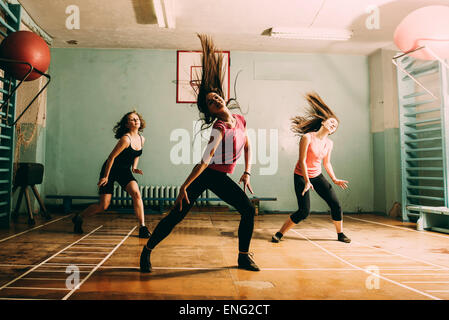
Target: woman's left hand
x=138, y=171
x=341, y=183
x=245, y=180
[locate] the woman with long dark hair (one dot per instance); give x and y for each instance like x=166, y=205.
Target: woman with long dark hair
x=315, y=147
x=120, y=166
x=228, y=140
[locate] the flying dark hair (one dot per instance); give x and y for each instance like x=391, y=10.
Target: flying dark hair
x=317, y=112
x=120, y=129
x=212, y=79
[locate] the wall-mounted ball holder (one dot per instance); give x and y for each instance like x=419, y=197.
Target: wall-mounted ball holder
x=5, y=63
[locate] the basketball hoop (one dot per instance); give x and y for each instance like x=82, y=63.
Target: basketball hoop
x=195, y=84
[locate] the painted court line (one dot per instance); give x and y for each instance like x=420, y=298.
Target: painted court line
x=401, y=228
x=91, y=247
x=99, y=264
x=40, y=264
x=86, y=252
x=74, y=257
x=398, y=254
x=40, y=226
x=38, y=288
x=365, y=255
x=406, y=257
x=22, y=299
x=369, y=272
x=274, y=269
x=44, y=279
x=425, y=281
x=60, y=264
x=57, y=271
x=94, y=241
x=416, y=274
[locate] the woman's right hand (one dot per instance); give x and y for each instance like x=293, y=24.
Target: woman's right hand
x=307, y=187
x=102, y=182
x=182, y=195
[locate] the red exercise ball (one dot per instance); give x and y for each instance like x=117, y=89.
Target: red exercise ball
x=28, y=47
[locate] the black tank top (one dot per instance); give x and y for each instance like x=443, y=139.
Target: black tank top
x=126, y=158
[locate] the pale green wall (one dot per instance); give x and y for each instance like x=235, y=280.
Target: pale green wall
x=385, y=130
x=92, y=89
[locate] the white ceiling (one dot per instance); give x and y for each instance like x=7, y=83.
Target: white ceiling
x=234, y=24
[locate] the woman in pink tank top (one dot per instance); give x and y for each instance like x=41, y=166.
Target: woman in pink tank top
x=228, y=140
x=315, y=147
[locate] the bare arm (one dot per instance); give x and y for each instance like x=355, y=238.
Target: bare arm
x=246, y=175
x=328, y=166
x=303, y=147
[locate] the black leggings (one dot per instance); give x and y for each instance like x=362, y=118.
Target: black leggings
x=324, y=190
x=226, y=189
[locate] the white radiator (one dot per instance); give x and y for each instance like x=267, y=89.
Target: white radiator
x=153, y=192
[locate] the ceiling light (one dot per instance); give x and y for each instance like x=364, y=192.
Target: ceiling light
x=309, y=33
x=164, y=11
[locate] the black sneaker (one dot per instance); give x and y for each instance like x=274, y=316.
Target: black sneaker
x=77, y=224
x=145, y=263
x=246, y=262
x=276, y=237
x=144, y=232
x=343, y=238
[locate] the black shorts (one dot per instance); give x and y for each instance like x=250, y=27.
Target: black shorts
x=120, y=174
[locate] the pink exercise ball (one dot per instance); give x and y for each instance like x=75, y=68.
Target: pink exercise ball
x=427, y=26
x=28, y=47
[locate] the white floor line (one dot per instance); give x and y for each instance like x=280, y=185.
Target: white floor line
x=91, y=247
x=99, y=251
x=58, y=271
x=71, y=257
x=401, y=228
x=60, y=264
x=99, y=243
x=44, y=279
x=38, y=288
x=425, y=281
x=101, y=262
x=406, y=257
x=40, y=226
x=365, y=255
x=394, y=253
x=102, y=239
x=38, y=265
x=22, y=299
x=417, y=274
x=358, y=268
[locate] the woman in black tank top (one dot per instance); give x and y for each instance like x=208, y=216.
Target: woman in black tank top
x=120, y=166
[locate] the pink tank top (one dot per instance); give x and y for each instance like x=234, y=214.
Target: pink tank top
x=231, y=145
x=316, y=151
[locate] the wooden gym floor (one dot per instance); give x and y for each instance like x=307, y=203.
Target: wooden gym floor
x=386, y=260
